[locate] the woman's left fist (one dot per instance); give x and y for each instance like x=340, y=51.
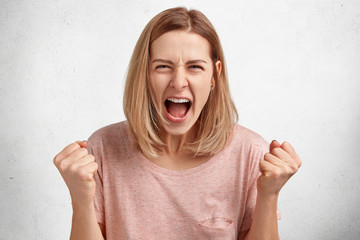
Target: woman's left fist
x=278, y=166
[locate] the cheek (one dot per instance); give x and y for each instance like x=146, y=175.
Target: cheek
x=158, y=88
x=202, y=93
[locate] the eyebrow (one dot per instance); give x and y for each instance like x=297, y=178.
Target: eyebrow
x=170, y=62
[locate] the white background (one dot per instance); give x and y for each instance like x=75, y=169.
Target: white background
x=294, y=69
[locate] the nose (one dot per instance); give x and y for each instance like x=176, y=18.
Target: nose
x=179, y=79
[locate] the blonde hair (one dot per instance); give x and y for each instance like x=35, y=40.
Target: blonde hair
x=216, y=121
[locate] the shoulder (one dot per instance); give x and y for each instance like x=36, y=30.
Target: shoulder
x=248, y=147
x=108, y=133
x=247, y=138
x=110, y=142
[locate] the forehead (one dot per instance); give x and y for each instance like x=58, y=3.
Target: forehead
x=179, y=43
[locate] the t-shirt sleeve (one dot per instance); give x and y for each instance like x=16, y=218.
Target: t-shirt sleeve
x=256, y=154
x=93, y=146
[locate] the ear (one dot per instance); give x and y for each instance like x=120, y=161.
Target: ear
x=218, y=68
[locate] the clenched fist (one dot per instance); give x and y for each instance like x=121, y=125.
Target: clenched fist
x=278, y=166
x=77, y=167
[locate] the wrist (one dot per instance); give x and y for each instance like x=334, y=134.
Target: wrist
x=268, y=201
x=82, y=204
x=268, y=196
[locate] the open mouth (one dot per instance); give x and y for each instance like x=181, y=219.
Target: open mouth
x=177, y=108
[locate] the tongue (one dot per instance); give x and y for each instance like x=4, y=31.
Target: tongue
x=177, y=109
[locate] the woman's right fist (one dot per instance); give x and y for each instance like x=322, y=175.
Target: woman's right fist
x=77, y=167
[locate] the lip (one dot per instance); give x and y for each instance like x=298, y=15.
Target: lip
x=174, y=119
x=178, y=97
x=177, y=119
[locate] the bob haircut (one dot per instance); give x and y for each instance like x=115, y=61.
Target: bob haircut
x=216, y=120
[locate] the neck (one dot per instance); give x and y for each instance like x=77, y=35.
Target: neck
x=174, y=155
x=175, y=144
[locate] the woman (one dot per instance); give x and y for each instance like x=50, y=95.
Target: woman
x=179, y=167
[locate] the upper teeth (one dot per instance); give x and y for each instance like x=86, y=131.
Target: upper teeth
x=178, y=100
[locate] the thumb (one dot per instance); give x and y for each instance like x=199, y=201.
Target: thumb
x=274, y=144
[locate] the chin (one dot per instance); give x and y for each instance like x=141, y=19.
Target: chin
x=177, y=130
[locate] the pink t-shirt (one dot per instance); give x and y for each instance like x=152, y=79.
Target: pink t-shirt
x=136, y=199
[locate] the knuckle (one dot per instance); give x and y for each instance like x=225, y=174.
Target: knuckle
x=56, y=159
x=276, y=174
x=91, y=157
x=73, y=168
x=73, y=147
x=275, y=151
x=290, y=171
x=96, y=165
x=63, y=165
x=65, y=153
x=84, y=151
x=88, y=159
x=299, y=164
x=83, y=174
x=75, y=144
x=294, y=167
x=286, y=144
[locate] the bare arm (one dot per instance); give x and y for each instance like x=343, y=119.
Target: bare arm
x=264, y=225
x=77, y=167
x=277, y=168
x=84, y=223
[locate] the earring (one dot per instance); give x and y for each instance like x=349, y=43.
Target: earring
x=211, y=87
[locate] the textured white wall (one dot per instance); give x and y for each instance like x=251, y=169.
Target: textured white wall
x=294, y=70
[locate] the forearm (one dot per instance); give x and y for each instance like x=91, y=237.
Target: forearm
x=84, y=223
x=264, y=225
